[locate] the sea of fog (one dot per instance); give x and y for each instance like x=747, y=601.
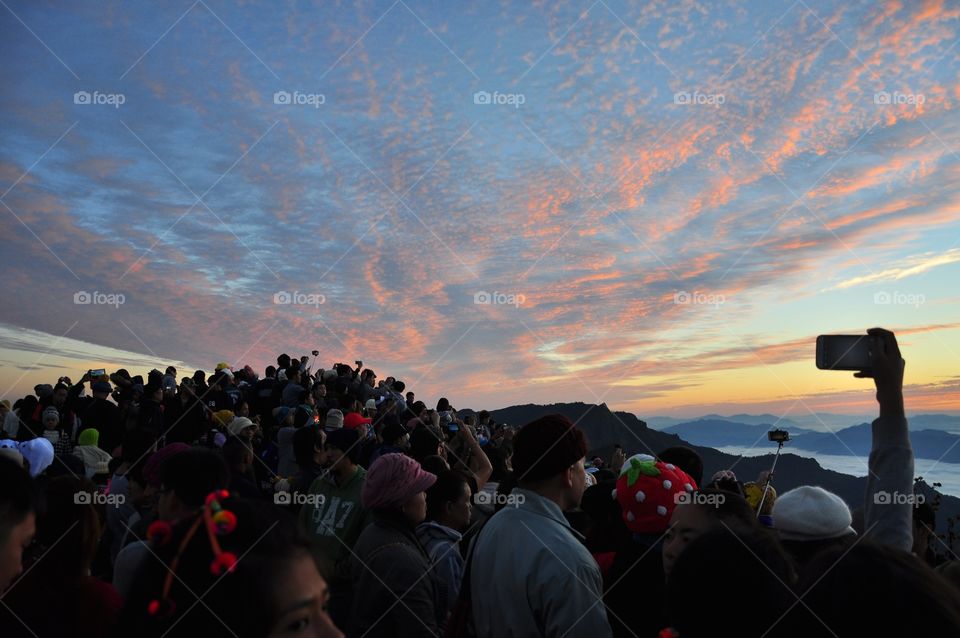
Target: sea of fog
x=948, y=474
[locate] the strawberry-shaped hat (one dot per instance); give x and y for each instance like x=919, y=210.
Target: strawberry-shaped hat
x=648, y=490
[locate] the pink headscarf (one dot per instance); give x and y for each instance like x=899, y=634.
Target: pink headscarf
x=392, y=480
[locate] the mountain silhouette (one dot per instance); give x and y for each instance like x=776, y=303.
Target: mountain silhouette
x=605, y=428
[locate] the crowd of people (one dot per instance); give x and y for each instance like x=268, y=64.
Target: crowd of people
x=330, y=502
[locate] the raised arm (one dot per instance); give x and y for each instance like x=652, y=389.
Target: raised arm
x=889, y=498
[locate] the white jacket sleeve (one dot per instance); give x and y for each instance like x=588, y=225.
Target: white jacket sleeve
x=888, y=515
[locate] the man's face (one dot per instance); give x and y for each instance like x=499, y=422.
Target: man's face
x=59, y=397
x=334, y=456
x=579, y=482
x=11, y=552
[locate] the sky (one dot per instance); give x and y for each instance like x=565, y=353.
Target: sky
x=657, y=206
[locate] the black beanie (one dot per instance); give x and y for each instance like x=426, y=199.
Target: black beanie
x=546, y=447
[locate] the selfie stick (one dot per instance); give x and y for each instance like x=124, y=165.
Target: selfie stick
x=763, y=496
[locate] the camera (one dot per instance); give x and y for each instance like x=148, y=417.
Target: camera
x=778, y=436
x=315, y=353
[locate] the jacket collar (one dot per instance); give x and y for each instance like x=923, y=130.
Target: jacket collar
x=356, y=476
x=542, y=506
x=436, y=529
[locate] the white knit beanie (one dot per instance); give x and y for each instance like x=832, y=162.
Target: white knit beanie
x=810, y=513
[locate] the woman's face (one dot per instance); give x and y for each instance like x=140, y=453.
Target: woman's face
x=301, y=600
x=243, y=410
x=687, y=523
x=461, y=509
x=415, y=510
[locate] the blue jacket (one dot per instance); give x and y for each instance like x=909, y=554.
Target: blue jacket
x=531, y=575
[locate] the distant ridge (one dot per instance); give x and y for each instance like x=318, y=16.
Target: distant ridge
x=605, y=428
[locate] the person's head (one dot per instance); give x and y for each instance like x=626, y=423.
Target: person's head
x=810, y=520
x=648, y=491
x=275, y=588
x=100, y=389
x=703, y=511
x=4, y=408
x=395, y=435
x=342, y=450
x=435, y=464
x=319, y=390
x=139, y=492
x=548, y=456
x=242, y=427
x=283, y=361
x=293, y=374
x=500, y=458
x=60, y=395
x=719, y=567
x=443, y=404
x=237, y=454
x=423, y=443
x=19, y=501
x=154, y=392
x=51, y=418
x=448, y=500
x=396, y=484
x=846, y=589
x=686, y=459
x=410, y=398
x=334, y=420
x=399, y=387
x=302, y=415
x=308, y=443
x=369, y=377
x=243, y=409
x=185, y=480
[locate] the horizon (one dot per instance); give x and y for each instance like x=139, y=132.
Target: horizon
x=655, y=207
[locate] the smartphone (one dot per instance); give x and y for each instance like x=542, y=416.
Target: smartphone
x=96, y=374
x=844, y=352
